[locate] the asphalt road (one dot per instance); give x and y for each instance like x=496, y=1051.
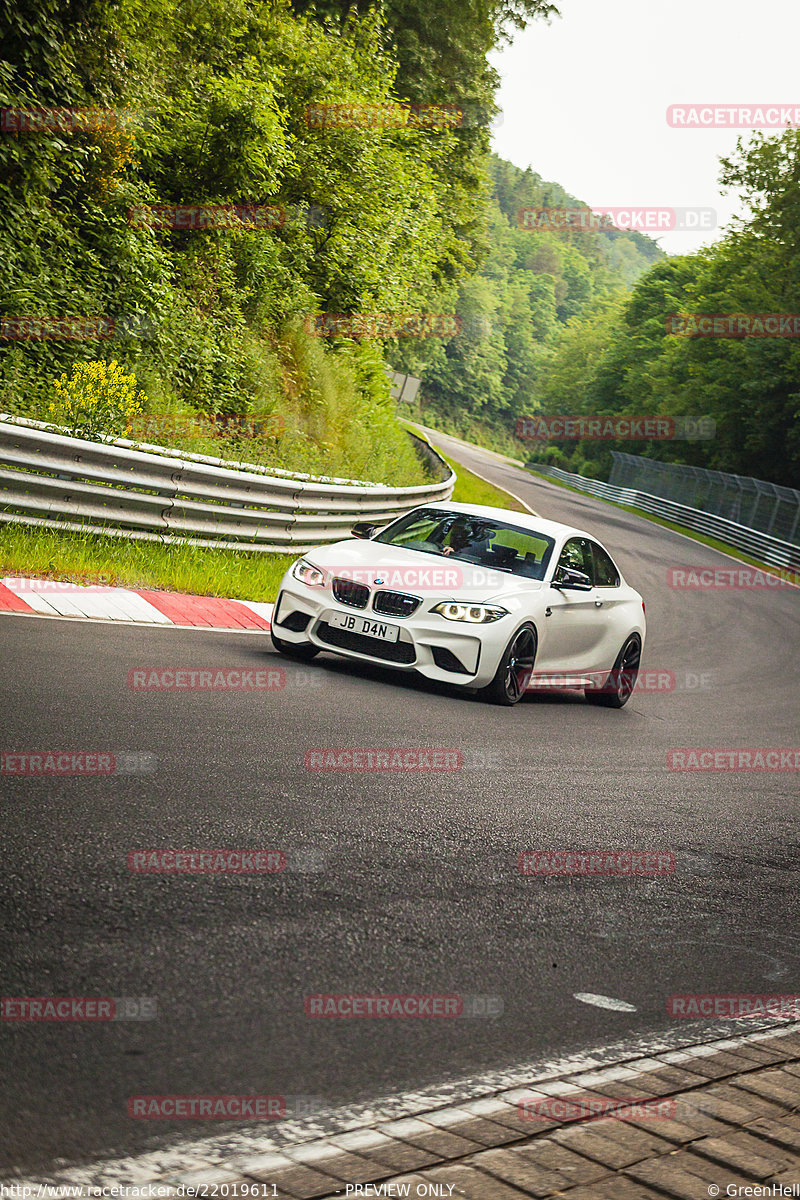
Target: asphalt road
x=408, y=881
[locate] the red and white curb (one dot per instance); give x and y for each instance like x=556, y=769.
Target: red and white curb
x=52, y=598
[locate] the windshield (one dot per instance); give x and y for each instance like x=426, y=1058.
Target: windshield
x=478, y=540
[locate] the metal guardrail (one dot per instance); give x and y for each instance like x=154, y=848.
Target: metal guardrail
x=767, y=507
x=124, y=489
x=760, y=545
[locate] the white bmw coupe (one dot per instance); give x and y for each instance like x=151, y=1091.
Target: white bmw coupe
x=494, y=600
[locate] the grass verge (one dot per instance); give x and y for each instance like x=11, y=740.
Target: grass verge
x=114, y=562
x=86, y=558
x=471, y=489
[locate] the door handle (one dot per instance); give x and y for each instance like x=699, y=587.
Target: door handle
x=598, y=603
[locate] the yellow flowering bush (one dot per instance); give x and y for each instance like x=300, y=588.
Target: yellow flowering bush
x=97, y=398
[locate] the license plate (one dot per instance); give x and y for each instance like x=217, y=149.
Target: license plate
x=365, y=626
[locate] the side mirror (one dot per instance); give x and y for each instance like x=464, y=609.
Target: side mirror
x=568, y=579
x=362, y=529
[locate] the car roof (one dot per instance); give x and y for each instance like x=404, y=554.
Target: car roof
x=553, y=529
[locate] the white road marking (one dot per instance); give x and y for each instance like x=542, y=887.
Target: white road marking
x=604, y=1002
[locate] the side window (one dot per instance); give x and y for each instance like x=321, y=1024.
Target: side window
x=577, y=554
x=605, y=573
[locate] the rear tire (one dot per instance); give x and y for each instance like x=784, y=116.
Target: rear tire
x=618, y=687
x=302, y=650
x=514, y=672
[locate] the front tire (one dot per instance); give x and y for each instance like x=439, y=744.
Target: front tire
x=618, y=688
x=513, y=675
x=302, y=650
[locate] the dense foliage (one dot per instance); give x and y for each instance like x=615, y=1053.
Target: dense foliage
x=204, y=104
x=620, y=358
x=529, y=287
x=201, y=105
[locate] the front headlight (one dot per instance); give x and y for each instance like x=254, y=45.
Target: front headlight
x=307, y=573
x=473, y=614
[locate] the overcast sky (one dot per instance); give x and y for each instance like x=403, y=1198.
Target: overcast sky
x=584, y=99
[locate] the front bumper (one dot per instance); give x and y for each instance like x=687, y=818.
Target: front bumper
x=425, y=640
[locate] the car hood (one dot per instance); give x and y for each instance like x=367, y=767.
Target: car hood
x=413, y=571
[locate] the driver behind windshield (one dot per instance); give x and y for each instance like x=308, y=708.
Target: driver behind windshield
x=465, y=536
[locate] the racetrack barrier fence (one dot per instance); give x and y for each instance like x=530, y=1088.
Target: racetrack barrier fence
x=127, y=489
x=754, y=541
